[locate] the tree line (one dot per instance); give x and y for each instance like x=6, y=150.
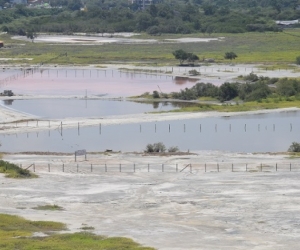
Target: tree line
x=178, y=16
x=251, y=88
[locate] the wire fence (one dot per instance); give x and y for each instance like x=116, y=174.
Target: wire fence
x=85, y=168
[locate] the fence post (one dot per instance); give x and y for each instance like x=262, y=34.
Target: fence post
x=191, y=168
x=63, y=168
x=261, y=167
x=276, y=167
x=48, y=167
x=218, y=166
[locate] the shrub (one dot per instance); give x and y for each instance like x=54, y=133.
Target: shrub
x=158, y=147
x=298, y=60
x=194, y=72
x=173, y=149
x=295, y=147
x=155, y=94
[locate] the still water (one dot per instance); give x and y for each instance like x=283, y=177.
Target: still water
x=63, y=108
x=90, y=82
x=255, y=133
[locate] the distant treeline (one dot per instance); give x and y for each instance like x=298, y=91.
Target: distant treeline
x=251, y=88
x=166, y=16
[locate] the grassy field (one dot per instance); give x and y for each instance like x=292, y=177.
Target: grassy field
x=17, y=233
x=268, y=48
x=269, y=103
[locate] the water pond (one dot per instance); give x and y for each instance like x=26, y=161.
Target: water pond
x=255, y=133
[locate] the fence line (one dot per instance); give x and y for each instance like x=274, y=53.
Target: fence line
x=48, y=125
x=85, y=168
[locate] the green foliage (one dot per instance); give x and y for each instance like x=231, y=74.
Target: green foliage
x=194, y=72
x=155, y=94
x=158, y=147
x=295, y=147
x=182, y=56
x=13, y=171
x=16, y=233
x=228, y=91
x=298, y=60
x=230, y=55
x=49, y=207
x=181, y=17
x=173, y=149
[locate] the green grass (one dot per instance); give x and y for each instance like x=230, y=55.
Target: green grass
x=17, y=233
x=269, y=103
x=13, y=171
x=266, y=48
x=49, y=207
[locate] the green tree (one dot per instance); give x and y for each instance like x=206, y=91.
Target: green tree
x=181, y=55
x=295, y=147
x=228, y=91
x=230, y=56
x=31, y=35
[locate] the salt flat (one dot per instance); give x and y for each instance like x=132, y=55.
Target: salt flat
x=167, y=210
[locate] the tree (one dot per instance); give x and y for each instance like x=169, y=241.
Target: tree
x=228, y=91
x=230, y=55
x=295, y=147
x=298, y=60
x=181, y=55
x=31, y=35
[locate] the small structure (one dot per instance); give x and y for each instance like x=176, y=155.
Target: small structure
x=80, y=152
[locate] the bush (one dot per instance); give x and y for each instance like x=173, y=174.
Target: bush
x=194, y=72
x=298, y=60
x=173, y=149
x=295, y=147
x=158, y=147
x=155, y=94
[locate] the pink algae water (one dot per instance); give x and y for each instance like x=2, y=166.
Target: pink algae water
x=66, y=81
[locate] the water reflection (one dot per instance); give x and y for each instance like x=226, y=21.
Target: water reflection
x=179, y=80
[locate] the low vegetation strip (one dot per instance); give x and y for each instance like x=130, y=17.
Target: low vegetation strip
x=18, y=233
x=13, y=171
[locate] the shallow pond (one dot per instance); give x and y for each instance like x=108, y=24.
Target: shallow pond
x=255, y=133
x=63, y=108
x=89, y=82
